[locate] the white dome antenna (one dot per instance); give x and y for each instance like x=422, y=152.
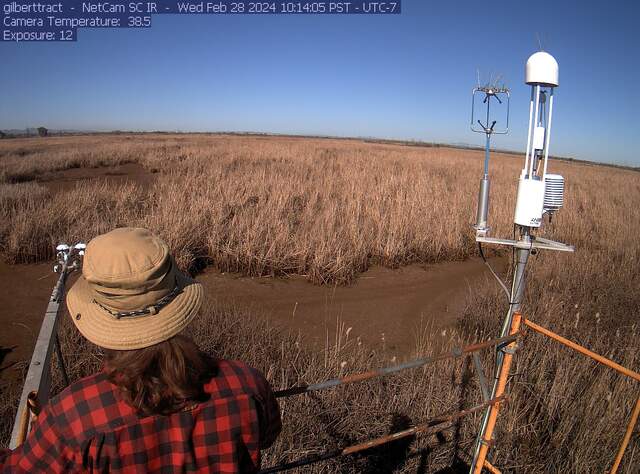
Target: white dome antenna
x=541, y=68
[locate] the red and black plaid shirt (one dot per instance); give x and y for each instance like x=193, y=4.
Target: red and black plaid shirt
x=89, y=427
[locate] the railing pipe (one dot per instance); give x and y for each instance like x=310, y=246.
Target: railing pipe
x=627, y=437
x=583, y=350
x=434, y=425
x=491, y=468
x=359, y=377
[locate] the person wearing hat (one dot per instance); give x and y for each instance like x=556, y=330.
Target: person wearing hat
x=159, y=404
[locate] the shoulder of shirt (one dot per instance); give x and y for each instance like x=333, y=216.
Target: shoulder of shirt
x=237, y=368
x=82, y=389
x=236, y=376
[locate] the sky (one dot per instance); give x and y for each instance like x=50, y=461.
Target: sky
x=406, y=76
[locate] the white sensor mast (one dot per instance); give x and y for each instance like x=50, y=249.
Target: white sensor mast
x=541, y=73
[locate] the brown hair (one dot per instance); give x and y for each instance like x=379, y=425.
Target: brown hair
x=161, y=379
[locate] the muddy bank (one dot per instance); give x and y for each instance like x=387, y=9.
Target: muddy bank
x=66, y=180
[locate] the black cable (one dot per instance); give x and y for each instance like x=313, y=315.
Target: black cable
x=513, y=249
x=486, y=262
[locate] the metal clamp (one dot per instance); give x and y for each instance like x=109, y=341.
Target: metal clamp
x=509, y=350
x=488, y=443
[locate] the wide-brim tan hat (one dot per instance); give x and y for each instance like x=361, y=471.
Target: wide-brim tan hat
x=130, y=294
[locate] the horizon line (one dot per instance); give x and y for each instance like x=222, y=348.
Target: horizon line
x=370, y=139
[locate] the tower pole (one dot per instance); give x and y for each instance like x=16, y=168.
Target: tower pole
x=515, y=301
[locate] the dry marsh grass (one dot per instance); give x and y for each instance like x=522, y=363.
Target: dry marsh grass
x=329, y=209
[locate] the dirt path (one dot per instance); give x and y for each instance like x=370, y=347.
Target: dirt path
x=384, y=305
x=24, y=295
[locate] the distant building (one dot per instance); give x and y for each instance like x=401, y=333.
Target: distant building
x=43, y=132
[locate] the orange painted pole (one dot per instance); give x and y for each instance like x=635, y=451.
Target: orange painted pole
x=627, y=437
x=491, y=468
x=583, y=350
x=495, y=408
x=25, y=416
x=28, y=416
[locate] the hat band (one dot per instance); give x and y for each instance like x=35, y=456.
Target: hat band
x=153, y=309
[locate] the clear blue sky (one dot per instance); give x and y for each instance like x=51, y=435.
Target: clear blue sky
x=405, y=76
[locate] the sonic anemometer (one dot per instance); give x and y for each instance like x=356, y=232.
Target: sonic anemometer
x=491, y=91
